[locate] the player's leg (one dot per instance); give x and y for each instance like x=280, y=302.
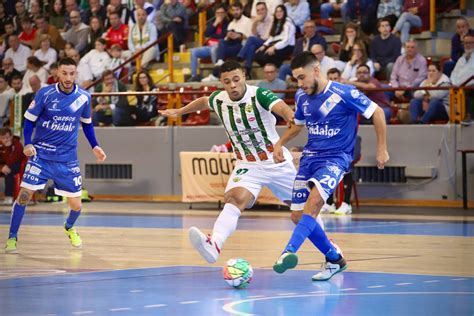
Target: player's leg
x=74, y=212
x=242, y=189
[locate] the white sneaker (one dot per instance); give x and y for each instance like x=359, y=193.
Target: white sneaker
x=328, y=269
x=328, y=208
x=219, y=62
x=8, y=200
x=206, y=247
x=210, y=78
x=344, y=209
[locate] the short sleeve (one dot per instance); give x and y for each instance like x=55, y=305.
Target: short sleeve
x=299, y=113
x=86, y=112
x=35, y=108
x=211, y=99
x=266, y=98
x=359, y=102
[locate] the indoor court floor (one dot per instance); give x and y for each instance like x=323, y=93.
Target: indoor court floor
x=137, y=260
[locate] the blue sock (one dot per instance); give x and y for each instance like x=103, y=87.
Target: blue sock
x=17, y=215
x=304, y=228
x=73, y=215
x=320, y=240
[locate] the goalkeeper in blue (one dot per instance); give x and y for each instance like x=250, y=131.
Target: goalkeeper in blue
x=54, y=116
x=329, y=111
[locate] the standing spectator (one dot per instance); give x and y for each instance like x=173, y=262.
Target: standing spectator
x=325, y=62
x=27, y=36
x=78, y=33
x=12, y=155
x=334, y=6
x=298, y=11
x=261, y=26
x=457, y=44
x=117, y=33
x=385, y=49
x=34, y=68
x=44, y=28
x=114, y=109
x=57, y=16
x=8, y=70
x=409, y=70
x=334, y=74
x=46, y=53
x=389, y=10
x=97, y=59
x=142, y=34
x=271, y=82
x=464, y=70
x=84, y=74
x=147, y=106
x=18, y=53
x=415, y=14
x=6, y=95
x=216, y=29
x=172, y=18
x=149, y=10
x=359, y=57
x=431, y=105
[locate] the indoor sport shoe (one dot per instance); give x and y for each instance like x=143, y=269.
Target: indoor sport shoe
x=10, y=246
x=328, y=269
x=287, y=260
x=328, y=208
x=206, y=247
x=76, y=241
x=344, y=209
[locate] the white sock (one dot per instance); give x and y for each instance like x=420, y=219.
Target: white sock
x=225, y=224
x=319, y=220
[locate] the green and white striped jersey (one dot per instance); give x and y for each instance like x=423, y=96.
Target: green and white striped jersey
x=249, y=123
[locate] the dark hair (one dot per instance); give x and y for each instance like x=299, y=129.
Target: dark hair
x=261, y=3
x=41, y=17
x=237, y=4
x=115, y=12
x=229, y=66
x=54, y=66
x=5, y=131
x=334, y=71
x=25, y=19
x=277, y=25
x=2, y=75
x=436, y=64
x=220, y=6
x=108, y=72
x=302, y=60
x=138, y=86
x=470, y=33
x=17, y=77
x=101, y=40
x=67, y=61
x=35, y=61
x=9, y=21
x=384, y=19
x=363, y=65
x=270, y=64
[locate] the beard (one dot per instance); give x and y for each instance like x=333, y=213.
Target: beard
x=314, y=87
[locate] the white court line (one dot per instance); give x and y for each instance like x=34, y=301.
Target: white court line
x=226, y=298
x=403, y=283
x=348, y=289
x=83, y=312
x=431, y=281
x=375, y=286
x=136, y=291
x=120, y=309
x=285, y=294
x=154, y=306
x=188, y=302
x=256, y=296
x=459, y=279
x=318, y=292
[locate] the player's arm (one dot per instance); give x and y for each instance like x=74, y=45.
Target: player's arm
x=283, y=110
x=88, y=129
x=200, y=104
x=380, y=126
x=292, y=131
x=29, y=150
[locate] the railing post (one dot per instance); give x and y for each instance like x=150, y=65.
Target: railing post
x=461, y=104
x=462, y=5
x=170, y=106
x=170, y=57
x=179, y=104
x=452, y=105
x=432, y=15
x=138, y=63
x=202, y=26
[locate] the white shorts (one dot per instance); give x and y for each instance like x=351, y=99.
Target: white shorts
x=279, y=178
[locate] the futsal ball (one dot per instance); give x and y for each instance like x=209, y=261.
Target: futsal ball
x=238, y=273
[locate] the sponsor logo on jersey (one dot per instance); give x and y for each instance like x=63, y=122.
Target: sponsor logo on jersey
x=337, y=90
x=299, y=184
x=32, y=105
x=76, y=105
x=248, y=108
x=329, y=104
x=323, y=130
x=335, y=170
x=355, y=93
x=35, y=170
x=54, y=105
x=60, y=123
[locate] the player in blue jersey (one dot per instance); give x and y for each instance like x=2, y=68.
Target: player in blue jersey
x=329, y=110
x=55, y=115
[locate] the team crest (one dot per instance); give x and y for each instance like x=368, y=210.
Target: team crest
x=237, y=179
x=335, y=169
x=355, y=93
x=248, y=108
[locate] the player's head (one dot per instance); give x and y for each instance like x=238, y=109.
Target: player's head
x=6, y=136
x=232, y=76
x=67, y=73
x=305, y=69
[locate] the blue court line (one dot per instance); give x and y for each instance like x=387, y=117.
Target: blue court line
x=189, y=290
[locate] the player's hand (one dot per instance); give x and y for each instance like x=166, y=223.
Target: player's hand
x=170, y=113
x=29, y=150
x=382, y=158
x=278, y=153
x=99, y=153
x=6, y=170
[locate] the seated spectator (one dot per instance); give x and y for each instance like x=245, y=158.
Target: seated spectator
x=281, y=42
x=350, y=35
x=72, y=5
x=78, y=33
x=96, y=9
x=44, y=28
x=18, y=53
x=142, y=34
x=116, y=59
x=147, y=105
x=53, y=74
x=334, y=74
x=262, y=23
x=431, y=105
x=305, y=43
x=325, y=62
x=298, y=11
x=363, y=81
x=35, y=9
x=97, y=59
x=9, y=30
x=385, y=49
x=271, y=82
x=34, y=68
x=56, y=17
x=216, y=29
x=415, y=14
x=84, y=75
x=3, y=18
x=21, y=13
x=334, y=6
x=123, y=11
x=46, y=53
x=149, y=12
x=271, y=6
x=409, y=70
x=117, y=32
x=112, y=109
x=11, y=152
x=464, y=70
x=247, y=7
x=359, y=57
x=17, y=85
x=6, y=95
x=364, y=11
x=457, y=44
x=389, y=10
x=8, y=70
x=172, y=18
x=96, y=31
x=27, y=36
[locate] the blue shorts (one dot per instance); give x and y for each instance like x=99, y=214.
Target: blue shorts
x=324, y=173
x=66, y=176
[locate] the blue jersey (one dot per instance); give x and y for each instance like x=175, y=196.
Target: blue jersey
x=57, y=116
x=331, y=118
